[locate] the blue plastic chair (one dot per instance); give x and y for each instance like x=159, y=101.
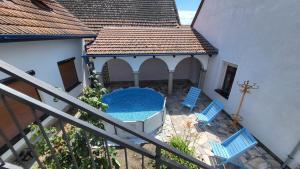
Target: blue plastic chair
x=232, y=148
x=191, y=98
x=210, y=112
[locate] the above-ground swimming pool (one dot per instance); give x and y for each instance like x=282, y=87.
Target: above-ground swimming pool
x=142, y=108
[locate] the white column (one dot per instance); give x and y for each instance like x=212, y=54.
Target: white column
x=136, y=78
x=201, y=78
x=170, y=82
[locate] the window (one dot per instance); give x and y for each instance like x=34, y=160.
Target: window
x=228, y=81
x=22, y=111
x=68, y=74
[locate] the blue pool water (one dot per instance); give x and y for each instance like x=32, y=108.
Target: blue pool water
x=134, y=104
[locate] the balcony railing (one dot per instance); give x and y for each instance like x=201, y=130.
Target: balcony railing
x=64, y=118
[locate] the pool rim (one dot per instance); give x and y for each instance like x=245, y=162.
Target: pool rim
x=147, y=88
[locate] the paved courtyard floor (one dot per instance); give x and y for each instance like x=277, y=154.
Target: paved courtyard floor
x=180, y=122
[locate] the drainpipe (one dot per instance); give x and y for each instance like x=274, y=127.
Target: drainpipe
x=291, y=156
x=89, y=66
x=89, y=43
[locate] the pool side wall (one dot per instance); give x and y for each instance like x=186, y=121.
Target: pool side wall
x=149, y=126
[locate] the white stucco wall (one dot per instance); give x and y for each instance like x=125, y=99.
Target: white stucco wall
x=42, y=57
x=188, y=68
x=119, y=70
x=262, y=38
x=152, y=69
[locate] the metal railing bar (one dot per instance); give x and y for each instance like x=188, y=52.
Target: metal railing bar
x=41, y=128
x=115, y=128
x=89, y=149
x=15, y=120
x=11, y=70
x=126, y=159
x=172, y=164
x=143, y=162
x=72, y=120
x=107, y=153
x=12, y=149
x=67, y=140
x=157, y=158
x=2, y=163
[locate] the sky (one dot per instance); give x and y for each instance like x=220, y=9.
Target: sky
x=187, y=10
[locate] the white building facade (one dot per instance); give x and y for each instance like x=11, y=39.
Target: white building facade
x=259, y=39
x=43, y=57
x=151, y=54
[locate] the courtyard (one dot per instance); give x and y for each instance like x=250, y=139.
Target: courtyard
x=52, y=52
x=180, y=122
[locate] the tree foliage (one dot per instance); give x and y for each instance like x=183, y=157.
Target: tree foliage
x=77, y=137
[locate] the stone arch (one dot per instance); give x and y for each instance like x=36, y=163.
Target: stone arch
x=153, y=69
x=99, y=62
x=188, y=68
x=117, y=70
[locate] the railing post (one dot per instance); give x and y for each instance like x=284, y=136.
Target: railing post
x=107, y=153
x=115, y=128
x=11, y=147
x=67, y=140
x=46, y=137
x=157, y=157
x=89, y=149
x=2, y=163
x=126, y=158
x=143, y=161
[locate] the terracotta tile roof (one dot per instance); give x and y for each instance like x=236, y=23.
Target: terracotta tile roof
x=115, y=41
x=100, y=13
x=22, y=17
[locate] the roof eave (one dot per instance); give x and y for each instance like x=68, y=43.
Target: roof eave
x=176, y=11
x=17, y=38
x=152, y=54
x=197, y=13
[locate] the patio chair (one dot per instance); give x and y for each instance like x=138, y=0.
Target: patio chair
x=233, y=147
x=191, y=98
x=210, y=112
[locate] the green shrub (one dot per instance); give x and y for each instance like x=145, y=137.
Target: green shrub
x=182, y=145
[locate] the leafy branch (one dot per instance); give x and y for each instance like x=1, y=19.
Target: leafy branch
x=92, y=96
